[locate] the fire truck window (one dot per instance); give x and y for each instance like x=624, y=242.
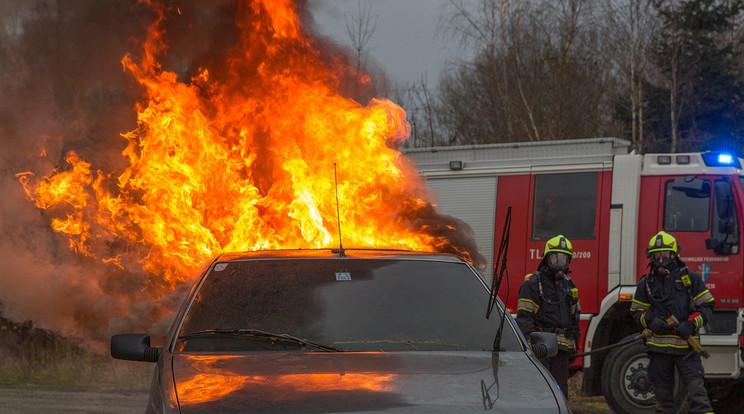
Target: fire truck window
x=565, y=204
x=725, y=228
x=687, y=205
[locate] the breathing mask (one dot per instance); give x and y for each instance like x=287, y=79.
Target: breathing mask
x=662, y=259
x=558, y=262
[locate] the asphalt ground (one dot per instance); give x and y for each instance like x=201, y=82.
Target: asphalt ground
x=27, y=400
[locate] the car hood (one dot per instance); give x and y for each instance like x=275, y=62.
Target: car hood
x=434, y=382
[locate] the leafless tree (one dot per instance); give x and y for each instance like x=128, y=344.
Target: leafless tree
x=629, y=30
x=360, y=28
x=423, y=96
x=422, y=105
x=535, y=75
x=369, y=80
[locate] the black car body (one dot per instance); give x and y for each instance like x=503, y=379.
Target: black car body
x=316, y=331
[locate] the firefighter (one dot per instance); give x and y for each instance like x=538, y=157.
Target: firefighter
x=549, y=302
x=673, y=303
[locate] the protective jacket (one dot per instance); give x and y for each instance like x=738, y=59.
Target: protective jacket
x=550, y=304
x=678, y=292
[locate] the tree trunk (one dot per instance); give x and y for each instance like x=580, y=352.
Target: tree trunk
x=673, y=98
x=633, y=81
x=640, y=116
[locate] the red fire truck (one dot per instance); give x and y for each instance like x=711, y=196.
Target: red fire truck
x=608, y=202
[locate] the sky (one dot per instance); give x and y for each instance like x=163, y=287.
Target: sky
x=408, y=42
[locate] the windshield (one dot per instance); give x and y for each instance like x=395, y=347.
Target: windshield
x=348, y=304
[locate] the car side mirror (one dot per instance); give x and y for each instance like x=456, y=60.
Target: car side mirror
x=724, y=200
x=726, y=227
x=544, y=344
x=133, y=347
x=721, y=246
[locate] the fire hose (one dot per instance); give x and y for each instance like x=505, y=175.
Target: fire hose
x=625, y=342
x=696, y=348
x=541, y=351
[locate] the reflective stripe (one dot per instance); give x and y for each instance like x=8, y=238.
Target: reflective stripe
x=637, y=305
x=703, y=297
x=686, y=282
x=698, y=321
x=661, y=249
x=643, y=320
x=701, y=294
x=565, y=343
x=668, y=341
x=665, y=345
x=527, y=305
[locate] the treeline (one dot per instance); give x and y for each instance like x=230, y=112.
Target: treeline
x=664, y=74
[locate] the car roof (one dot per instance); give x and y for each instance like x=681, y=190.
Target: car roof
x=352, y=253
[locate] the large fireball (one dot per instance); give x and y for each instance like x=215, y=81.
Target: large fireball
x=244, y=160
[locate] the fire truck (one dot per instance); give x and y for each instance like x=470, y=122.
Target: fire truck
x=608, y=201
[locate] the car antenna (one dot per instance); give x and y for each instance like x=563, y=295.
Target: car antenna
x=340, y=249
x=500, y=272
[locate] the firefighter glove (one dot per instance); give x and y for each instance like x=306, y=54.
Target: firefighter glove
x=685, y=329
x=657, y=325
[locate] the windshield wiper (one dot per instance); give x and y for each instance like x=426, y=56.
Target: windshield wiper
x=500, y=272
x=410, y=342
x=260, y=334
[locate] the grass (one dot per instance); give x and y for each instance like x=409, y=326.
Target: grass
x=37, y=357
x=59, y=365
x=584, y=405
x=70, y=366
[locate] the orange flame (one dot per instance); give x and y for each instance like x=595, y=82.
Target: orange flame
x=205, y=387
x=243, y=161
x=210, y=387
x=212, y=383
x=364, y=381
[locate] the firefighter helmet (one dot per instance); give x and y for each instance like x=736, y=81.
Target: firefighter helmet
x=558, y=244
x=662, y=242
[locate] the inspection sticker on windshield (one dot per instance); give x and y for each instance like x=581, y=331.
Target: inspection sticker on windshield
x=343, y=276
x=220, y=267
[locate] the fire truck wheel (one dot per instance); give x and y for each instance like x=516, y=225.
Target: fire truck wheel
x=625, y=382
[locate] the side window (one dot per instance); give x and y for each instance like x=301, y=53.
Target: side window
x=565, y=204
x=725, y=238
x=687, y=204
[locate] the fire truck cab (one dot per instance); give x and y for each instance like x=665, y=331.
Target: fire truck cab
x=608, y=202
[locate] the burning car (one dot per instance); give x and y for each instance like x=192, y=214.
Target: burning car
x=342, y=331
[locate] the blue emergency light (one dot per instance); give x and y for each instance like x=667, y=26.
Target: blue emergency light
x=725, y=159
x=720, y=159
